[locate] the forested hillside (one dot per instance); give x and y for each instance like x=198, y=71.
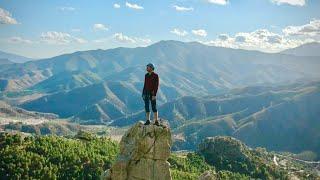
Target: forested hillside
x=86, y=156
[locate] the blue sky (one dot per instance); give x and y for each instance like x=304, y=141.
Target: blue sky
x=40, y=29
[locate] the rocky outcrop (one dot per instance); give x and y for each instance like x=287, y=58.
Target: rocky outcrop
x=208, y=175
x=224, y=149
x=144, y=151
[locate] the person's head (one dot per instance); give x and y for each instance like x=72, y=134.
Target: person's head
x=150, y=67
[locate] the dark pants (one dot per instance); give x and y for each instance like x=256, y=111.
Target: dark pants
x=147, y=99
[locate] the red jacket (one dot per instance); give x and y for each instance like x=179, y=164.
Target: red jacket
x=151, y=83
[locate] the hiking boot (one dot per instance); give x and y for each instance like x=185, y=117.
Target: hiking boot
x=147, y=122
x=157, y=123
x=155, y=118
x=147, y=118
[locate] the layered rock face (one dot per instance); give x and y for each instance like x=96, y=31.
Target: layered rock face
x=144, y=151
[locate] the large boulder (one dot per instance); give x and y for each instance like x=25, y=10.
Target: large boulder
x=144, y=151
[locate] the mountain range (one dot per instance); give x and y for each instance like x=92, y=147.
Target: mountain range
x=185, y=69
x=5, y=61
x=14, y=57
x=263, y=116
x=264, y=99
x=8, y=111
x=309, y=49
x=190, y=67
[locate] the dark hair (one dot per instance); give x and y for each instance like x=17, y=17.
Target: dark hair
x=150, y=65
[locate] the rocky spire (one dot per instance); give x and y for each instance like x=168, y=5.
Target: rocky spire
x=144, y=151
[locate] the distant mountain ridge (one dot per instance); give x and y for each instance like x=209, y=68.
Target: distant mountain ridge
x=14, y=58
x=238, y=102
x=99, y=102
x=272, y=117
x=309, y=49
x=197, y=67
x=8, y=111
x=263, y=99
x=185, y=69
x=4, y=61
x=67, y=81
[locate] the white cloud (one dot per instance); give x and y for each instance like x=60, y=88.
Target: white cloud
x=134, y=6
x=290, y=2
x=200, y=32
x=117, y=6
x=219, y=2
x=123, y=38
x=6, y=17
x=181, y=8
x=119, y=37
x=79, y=40
x=179, y=32
x=100, y=27
x=310, y=29
x=67, y=8
x=144, y=40
x=53, y=37
x=261, y=39
x=18, y=40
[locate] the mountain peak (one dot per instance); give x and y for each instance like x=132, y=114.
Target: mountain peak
x=144, y=151
x=14, y=57
x=308, y=49
x=167, y=42
x=175, y=42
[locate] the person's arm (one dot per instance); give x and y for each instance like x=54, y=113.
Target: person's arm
x=156, y=85
x=144, y=85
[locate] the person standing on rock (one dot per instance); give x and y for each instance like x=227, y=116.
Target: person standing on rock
x=149, y=92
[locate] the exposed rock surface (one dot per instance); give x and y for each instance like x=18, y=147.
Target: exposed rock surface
x=208, y=175
x=144, y=151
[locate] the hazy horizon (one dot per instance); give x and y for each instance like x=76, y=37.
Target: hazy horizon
x=34, y=59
